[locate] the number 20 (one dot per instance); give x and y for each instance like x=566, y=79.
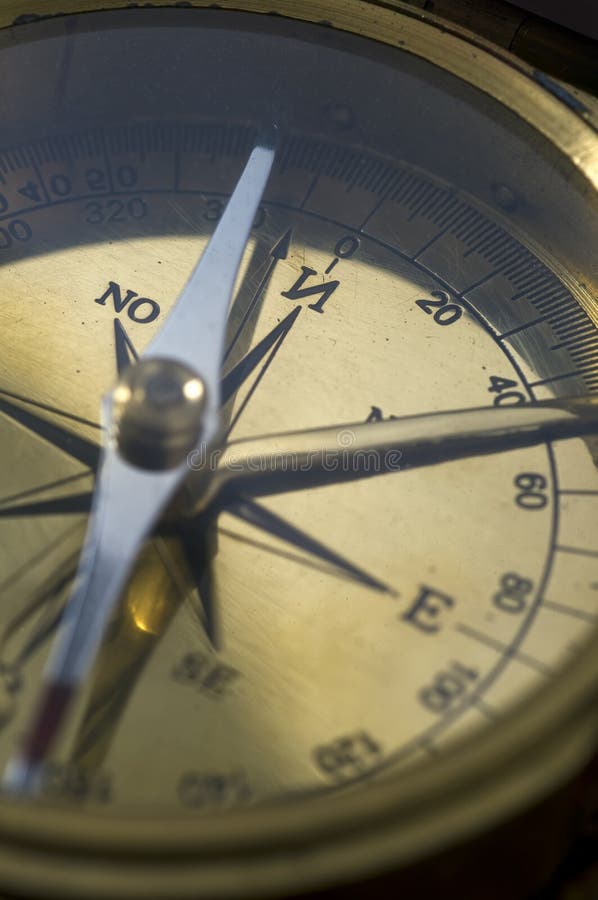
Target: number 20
x=443, y=311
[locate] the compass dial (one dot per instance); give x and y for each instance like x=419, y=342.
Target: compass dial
x=418, y=249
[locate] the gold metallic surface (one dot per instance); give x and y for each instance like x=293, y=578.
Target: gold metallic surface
x=447, y=45
x=479, y=782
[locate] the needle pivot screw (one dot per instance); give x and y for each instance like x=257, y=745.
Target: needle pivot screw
x=157, y=410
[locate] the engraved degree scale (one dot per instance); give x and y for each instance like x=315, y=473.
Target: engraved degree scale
x=298, y=417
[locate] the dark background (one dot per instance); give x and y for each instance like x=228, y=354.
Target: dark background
x=579, y=15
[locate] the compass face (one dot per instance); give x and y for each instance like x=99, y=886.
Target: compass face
x=418, y=249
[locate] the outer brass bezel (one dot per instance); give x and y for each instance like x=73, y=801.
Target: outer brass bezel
x=386, y=825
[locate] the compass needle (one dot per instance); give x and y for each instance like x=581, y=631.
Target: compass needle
x=306, y=603
x=285, y=462
x=159, y=408
x=279, y=252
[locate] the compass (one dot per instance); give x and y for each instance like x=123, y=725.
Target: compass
x=298, y=417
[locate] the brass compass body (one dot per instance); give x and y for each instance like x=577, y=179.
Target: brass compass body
x=359, y=632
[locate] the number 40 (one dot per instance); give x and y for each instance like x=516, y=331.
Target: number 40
x=505, y=393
